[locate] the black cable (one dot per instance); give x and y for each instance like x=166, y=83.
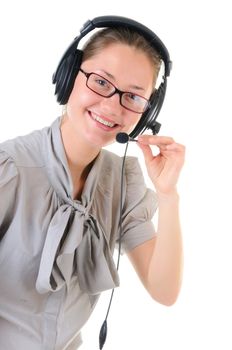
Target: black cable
x=103, y=330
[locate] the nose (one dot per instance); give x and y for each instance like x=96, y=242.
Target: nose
x=112, y=103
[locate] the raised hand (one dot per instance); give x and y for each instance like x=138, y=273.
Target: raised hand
x=163, y=168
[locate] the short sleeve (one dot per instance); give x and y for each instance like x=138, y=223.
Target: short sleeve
x=139, y=207
x=8, y=188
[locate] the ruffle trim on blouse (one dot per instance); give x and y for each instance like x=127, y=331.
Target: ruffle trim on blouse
x=76, y=245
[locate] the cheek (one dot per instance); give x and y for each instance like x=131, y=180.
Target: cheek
x=77, y=94
x=130, y=122
x=81, y=98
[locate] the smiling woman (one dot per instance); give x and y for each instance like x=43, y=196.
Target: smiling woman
x=65, y=212
x=86, y=108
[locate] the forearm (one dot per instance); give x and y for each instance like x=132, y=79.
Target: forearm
x=165, y=268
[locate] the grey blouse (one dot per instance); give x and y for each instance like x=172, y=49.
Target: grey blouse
x=56, y=253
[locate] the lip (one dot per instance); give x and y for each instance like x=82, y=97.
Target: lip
x=103, y=126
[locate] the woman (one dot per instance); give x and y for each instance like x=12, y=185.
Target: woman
x=60, y=201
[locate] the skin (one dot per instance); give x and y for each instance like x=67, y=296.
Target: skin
x=158, y=261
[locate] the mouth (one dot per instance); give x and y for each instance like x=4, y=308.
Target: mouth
x=105, y=123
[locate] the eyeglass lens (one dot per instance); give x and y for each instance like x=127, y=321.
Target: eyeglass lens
x=105, y=88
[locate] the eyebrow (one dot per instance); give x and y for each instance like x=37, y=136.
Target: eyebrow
x=110, y=76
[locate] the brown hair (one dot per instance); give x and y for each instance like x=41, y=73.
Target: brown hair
x=108, y=36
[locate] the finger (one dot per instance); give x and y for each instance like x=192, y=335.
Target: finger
x=175, y=147
x=155, y=140
x=147, y=152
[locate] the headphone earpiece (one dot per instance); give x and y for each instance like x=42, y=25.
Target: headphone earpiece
x=65, y=75
x=148, y=118
x=70, y=63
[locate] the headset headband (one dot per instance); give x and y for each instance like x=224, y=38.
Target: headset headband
x=151, y=37
x=118, y=21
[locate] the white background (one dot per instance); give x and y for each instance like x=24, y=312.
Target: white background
x=197, y=112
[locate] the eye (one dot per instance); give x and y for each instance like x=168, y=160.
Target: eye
x=132, y=98
x=101, y=83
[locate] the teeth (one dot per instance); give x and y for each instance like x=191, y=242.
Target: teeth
x=104, y=122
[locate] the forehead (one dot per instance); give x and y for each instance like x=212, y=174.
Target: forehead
x=117, y=48
x=123, y=61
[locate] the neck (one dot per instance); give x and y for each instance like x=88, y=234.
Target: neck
x=80, y=155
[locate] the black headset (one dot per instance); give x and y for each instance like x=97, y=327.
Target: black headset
x=69, y=65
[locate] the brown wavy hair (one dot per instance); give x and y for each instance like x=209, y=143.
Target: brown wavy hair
x=105, y=37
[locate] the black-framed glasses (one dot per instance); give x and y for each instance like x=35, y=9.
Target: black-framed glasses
x=105, y=88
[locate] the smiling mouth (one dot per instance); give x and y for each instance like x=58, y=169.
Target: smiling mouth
x=103, y=121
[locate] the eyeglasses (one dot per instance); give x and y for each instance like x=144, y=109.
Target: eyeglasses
x=105, y=88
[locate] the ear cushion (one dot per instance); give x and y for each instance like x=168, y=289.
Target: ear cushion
x=146, y=116
x=148, y=119
x=66, y=74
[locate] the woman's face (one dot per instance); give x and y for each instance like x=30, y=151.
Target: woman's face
x=97, y=119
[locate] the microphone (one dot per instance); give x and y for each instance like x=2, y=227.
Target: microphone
x=123, y=137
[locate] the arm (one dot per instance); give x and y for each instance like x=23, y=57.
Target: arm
x=159, y=261
x=8, y=191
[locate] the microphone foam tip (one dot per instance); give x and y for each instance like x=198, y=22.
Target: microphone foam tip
x=122, y=137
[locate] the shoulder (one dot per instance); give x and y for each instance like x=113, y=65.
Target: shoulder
x=131, y=165
x=111, y=164
x=112, y=173
x=25, y=151
x=8, y=170
x=132, y=168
